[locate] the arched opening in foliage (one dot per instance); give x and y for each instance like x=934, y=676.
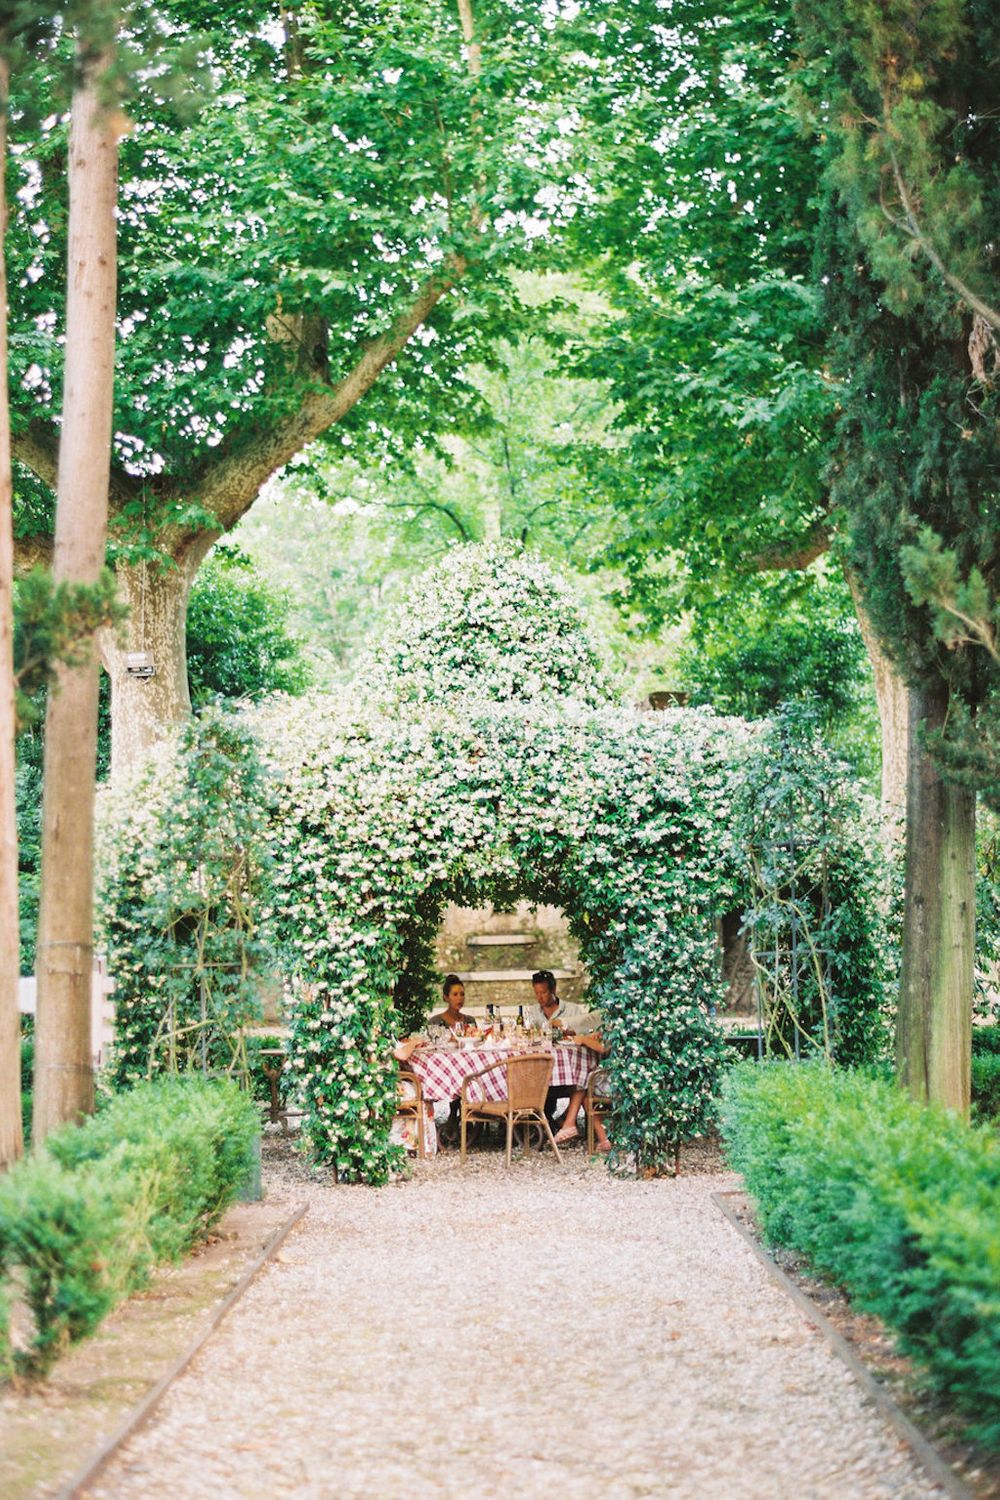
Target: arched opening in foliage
x=622, y=819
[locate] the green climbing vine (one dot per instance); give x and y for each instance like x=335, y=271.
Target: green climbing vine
x=481, y=755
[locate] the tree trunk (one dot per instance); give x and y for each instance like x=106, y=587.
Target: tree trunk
x=144, y=710
x=11, y=1141
x=64, y=1085
x=934, y=1025
x=892, y=697
x=492, y=519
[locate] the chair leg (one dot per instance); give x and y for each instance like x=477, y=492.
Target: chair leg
x=420, y=1129
x=552, y=1140
x=510, y=1135
x=463, y=1134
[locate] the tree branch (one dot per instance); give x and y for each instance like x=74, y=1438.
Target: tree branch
x=37, y=448
x=228, y=481
x=229, y=484
x=436, y=505
x=795, y=556
x=912, y=224
x=474, y=51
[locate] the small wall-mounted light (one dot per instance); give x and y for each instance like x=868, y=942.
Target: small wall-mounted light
x=139, y=664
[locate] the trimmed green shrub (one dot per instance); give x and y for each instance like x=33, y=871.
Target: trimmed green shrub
x=897, y=1203
x=86, y=1218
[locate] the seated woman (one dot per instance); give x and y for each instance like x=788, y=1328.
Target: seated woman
x=454, y=995
x=453, y=1015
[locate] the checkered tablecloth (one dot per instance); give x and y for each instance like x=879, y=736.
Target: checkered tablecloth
x=442, y=1070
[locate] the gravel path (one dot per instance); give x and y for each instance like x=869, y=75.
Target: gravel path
x=532, y=1334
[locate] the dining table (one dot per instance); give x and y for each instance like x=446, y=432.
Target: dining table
x=443, y=1067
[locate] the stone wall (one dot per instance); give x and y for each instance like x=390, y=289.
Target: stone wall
x=506, y=947
x=496, y=952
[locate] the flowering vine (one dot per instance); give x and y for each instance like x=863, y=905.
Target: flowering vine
x=480, y=756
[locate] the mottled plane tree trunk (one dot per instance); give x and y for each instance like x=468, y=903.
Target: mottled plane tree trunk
x=64, y=1086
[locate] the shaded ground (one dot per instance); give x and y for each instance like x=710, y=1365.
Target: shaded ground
x=525, y=1334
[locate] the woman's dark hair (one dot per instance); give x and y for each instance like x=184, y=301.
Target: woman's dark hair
x=450, y=981
x=545, y=976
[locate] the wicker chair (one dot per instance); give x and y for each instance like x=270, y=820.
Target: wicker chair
x=599, y=1102
x=527, y=1085
x=410, y=1104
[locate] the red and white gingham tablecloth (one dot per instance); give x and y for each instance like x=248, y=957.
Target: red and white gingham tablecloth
x=442, y=1070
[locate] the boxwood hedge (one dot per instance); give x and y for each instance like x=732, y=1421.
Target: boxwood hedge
x=84, y=1219
x=897, y=1203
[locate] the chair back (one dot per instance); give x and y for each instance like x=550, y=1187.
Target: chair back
x=528, y=1080
x=599, y=1085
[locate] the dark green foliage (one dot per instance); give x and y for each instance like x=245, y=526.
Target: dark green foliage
x=747, y=656
x=55, y=624
x=778, y=638
x=986, y=1072
x=239, y=645
x=903, y=98
x=257, y=261
x=713, y=349
x=86, y=1218
x=27, y=1075
x=986, y=1085
x=985, y=1041
x=896, y=1202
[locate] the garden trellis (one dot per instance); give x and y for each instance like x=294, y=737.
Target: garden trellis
x=482, y=756
x=816, y=920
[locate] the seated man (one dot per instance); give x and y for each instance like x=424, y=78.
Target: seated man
x=550, y=1010
x=584, y=1026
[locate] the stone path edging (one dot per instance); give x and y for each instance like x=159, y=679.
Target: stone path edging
x=77, y=1486
x=923, y=1451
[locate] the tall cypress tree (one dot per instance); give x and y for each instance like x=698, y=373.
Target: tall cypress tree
x=905, y=95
